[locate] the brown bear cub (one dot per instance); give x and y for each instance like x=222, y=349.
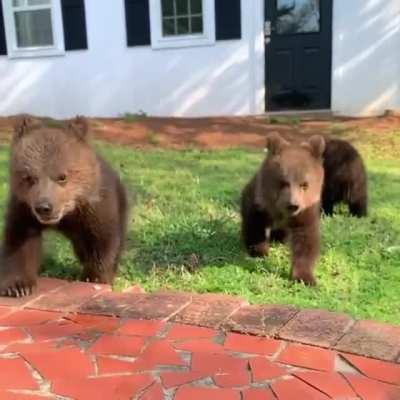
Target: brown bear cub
x=58, y=181
x=345, y=178
x=283, y=199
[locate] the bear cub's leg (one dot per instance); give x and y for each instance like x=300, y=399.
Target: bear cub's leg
x=254, y=233
x=278, y=235
x=99, y=260
x=359, y=207
x=21, y=255
x=98, y=248
x=305, y=249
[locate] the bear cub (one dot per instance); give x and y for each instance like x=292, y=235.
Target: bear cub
x=283, y=200
x=58, y=181
x=345, y=178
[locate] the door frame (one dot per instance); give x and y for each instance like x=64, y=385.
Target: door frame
x=267, y=66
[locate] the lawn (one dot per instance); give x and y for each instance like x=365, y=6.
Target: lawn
x=184, y=232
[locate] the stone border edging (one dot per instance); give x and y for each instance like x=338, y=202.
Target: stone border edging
x=320, y=328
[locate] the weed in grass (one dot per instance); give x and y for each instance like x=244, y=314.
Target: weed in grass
x=153, y=138
x=133, y=117
x=338, y=130
x=53, y=123
x=284, y=120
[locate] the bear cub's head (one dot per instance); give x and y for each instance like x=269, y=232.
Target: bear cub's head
x=291, y=177
x=52, y=169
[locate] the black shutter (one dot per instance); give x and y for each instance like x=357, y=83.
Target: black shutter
x=228, y=19
x=3, y=44
x=74, y=21
x=137, y=16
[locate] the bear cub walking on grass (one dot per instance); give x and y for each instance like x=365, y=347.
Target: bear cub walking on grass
x=58, y=181
x=345, y=178
x=283, y=199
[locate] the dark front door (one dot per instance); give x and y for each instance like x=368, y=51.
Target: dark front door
x=298, y=43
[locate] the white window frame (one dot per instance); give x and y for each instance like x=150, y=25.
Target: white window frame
x=14, y=51
x=158, y=41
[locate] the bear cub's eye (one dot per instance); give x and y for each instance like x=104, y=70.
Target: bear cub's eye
x=29, y=180
x=62, y=179
x=284, y=184
x=304, y=186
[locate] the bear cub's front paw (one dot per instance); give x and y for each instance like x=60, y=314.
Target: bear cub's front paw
x=305, y=277
x=259, y=250
x=17, y=286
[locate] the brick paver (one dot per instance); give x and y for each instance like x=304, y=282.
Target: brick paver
x=70, y=298
x=107, y=354
x=118, y=345
x=264, y=370
x=176, y=379
x=381, y=371
x=15, y=374
x=202, y=393
x=308, y=357
x=209, y=310
x=332, y=384
x=296, y=389
x=251, y=344
x=260, y=320
x=316, y=327
x=372, y=339
x=258, y=394
x=154, y=392
x=109, y=365
x=12, y=335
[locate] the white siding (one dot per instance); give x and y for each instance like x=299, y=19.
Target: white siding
x=366, y=56
x=110, y=78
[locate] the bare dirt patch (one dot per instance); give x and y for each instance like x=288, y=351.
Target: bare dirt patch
x=221, y=133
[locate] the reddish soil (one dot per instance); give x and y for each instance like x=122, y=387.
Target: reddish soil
x=217, y=133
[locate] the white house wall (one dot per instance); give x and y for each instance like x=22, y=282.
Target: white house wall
x=110, y=78
x=366, y=56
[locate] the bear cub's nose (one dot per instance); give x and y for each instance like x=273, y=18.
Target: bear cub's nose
x=44, y=208
x=293, y=208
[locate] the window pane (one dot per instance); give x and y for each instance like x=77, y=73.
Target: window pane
x=298, y=16
x=167, y=8
x=182, y=7
x=33, y=28
x=183, y=26
x=182, y=17
x=196, y=6
x=197, y=24
x=168, y=26
x=18, y=3
x=38, y=2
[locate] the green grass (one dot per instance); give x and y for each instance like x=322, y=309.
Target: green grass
x=133, y=117
x=153, y=138
x=284, y=120
x=185, y=233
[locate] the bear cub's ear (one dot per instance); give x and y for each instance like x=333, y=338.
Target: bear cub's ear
x=79, y=127
x=275, y=143
x=316, y=144
x=23, y=125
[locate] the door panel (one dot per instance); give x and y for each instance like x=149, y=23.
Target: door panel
x=298, y=54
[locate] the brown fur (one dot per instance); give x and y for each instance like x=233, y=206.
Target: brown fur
x=345, y=179
x=58, y=181
x=284, y=199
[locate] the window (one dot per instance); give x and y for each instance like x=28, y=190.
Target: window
x=33, y=27
x=298, y=16
x=182, y=17
x=181, y=23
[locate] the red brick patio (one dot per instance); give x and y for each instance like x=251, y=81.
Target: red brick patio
x=82, y=341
